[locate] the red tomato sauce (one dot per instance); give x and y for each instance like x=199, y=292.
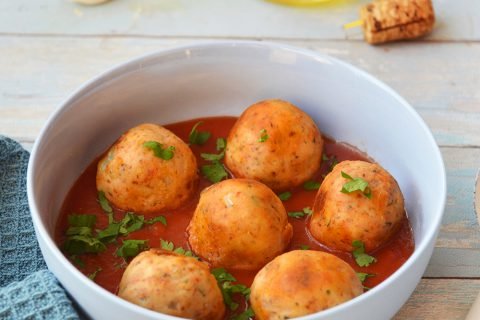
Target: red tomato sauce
x=82, y=199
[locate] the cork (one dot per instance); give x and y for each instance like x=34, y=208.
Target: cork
x=390, y=20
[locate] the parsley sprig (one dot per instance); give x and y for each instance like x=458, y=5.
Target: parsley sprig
x=263, y=135
x=159, y=151
x=169, y=246
x=300, y=214
x=311, y=185
x=284, y=196
x=361, y=258
x=198, y=137
x=225, y=280
x=356, y=184
x=130, y=248
x=215, y=172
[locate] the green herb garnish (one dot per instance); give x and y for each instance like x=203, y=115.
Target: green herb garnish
x=131, y=248
x=169, y=246
x=160, y=219
x=311, y=185
x=304, y=247
x=214, y=172
x=245, y=315
x=78, y=244
x=159, y=151
x=198, y=137
x=102, y=199
x=300, y=214
x=362, y=259
x=82, y=220
x=284, y=196
x=224, y=280
x=362, y=276
x=80, y=237
x=94, y=274
x=130, y=222
x=356, y=184
x=221, y=144
x=213, y=156
x=263, y=136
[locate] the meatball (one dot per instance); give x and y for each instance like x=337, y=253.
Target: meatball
x=173, y=284
x=276, y=143
x=302, y=282
x=239, y=224
x=148, y=169
x=371, y=216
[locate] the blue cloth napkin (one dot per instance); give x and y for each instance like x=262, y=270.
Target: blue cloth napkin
x=27, y=289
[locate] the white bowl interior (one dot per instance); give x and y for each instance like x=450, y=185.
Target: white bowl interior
x=223, y=79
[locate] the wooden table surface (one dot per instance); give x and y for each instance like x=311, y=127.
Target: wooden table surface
x=50, y=47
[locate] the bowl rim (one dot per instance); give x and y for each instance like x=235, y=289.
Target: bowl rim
x=135, y=63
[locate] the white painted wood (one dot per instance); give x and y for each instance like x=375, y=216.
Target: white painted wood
x=457, y=20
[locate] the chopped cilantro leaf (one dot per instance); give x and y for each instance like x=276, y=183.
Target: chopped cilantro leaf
x=263, y=136
x=82, y=220
x=300, y=214
x=80, y=235
x=245, y=315
x=213, y=156
x=159, y=151
x=169, y=246
x=130, y=248
x=362, y=276
x=222, y=275
x=110, y=233
x=362, y=259
x=325, y=157
x=78, y=244
x=221, y=144
x=356, y=184
x=224, y=280
x=311, y=185
x=94, y=274
x=104, y=202
x=77, y=261
x=198, y=137
x=284, y=196
x=214, y=172
x=130, y=222
x=82, y=231
x=304, y=247
x=160, y=219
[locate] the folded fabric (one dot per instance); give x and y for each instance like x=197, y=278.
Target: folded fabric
x=27, y=289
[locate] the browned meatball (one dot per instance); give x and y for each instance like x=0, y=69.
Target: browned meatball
x=173, y=284
x=239, y=224
x=340, y=218
x=134, y=177
x=276, y=143
x=302, y=282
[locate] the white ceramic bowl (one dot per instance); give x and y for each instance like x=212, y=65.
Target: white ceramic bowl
x=223, y=78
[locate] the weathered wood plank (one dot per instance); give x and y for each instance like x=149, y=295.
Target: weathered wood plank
x=443, y=90
x=440, y=299
x=457, y=20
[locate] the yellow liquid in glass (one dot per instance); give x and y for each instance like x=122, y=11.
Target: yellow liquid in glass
x=300, y=2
